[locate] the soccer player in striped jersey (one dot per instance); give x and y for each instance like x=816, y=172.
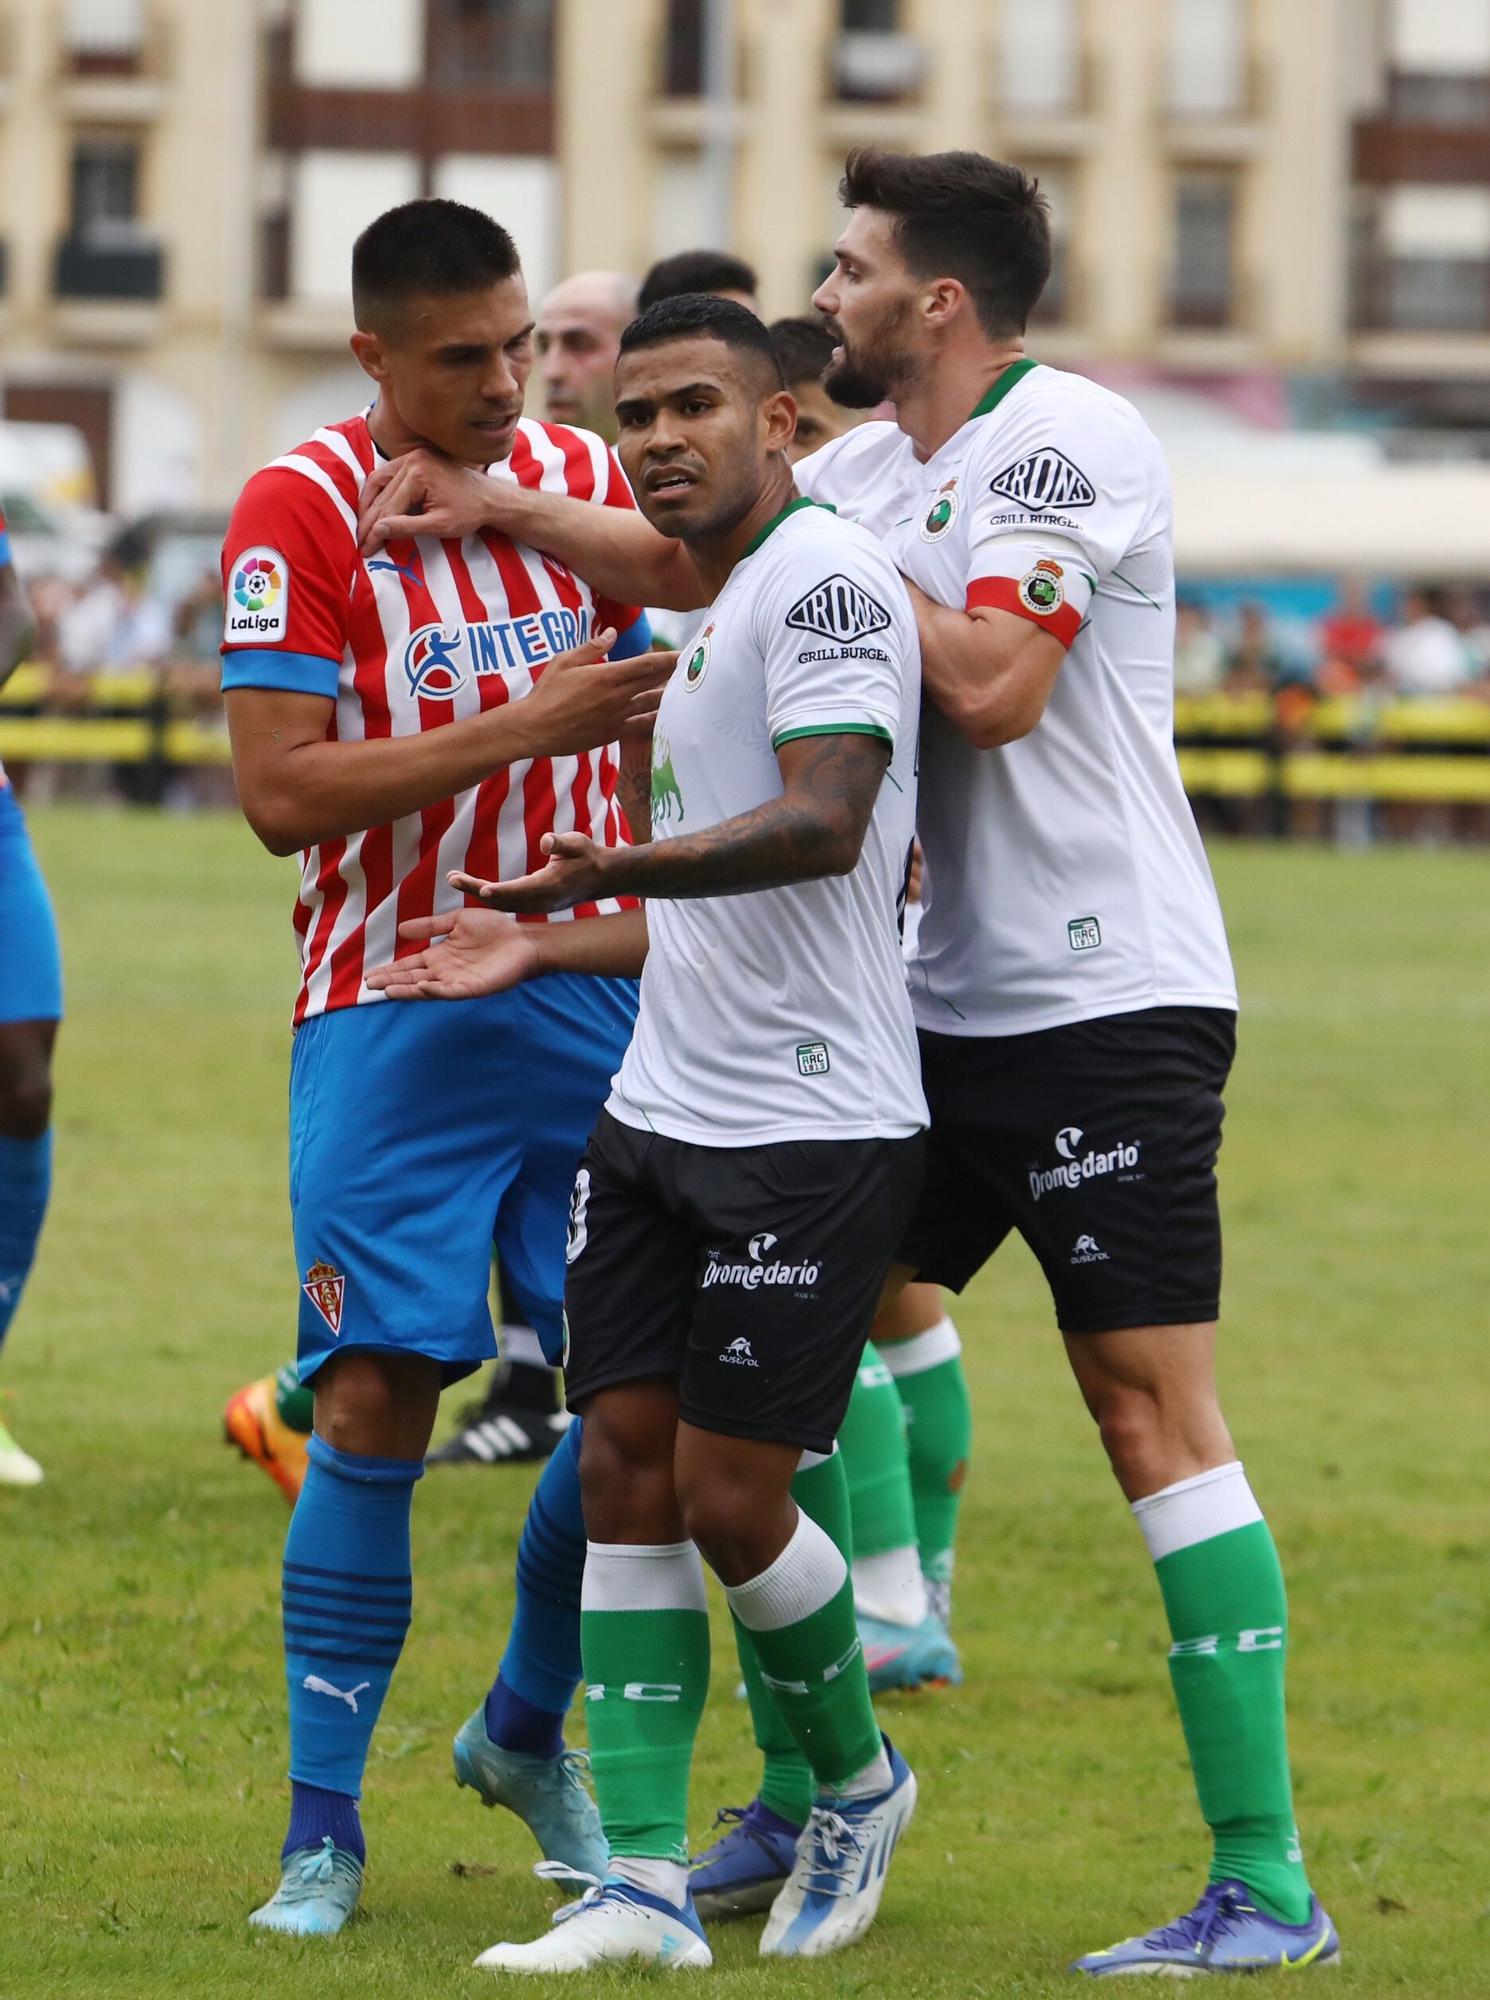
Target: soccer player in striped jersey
x=436, y=704
x=30, y=1008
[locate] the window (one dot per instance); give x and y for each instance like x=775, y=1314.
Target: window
x=1039, y=55
x=105, y=182
x=1440, y=36
x=683, y=49
x=1207, y=58
x=869, y=17
x=104, y=27
x=1057, y=302
x=509, y=43
x=1203, y=283
x=359, y=44
x=1425, y=267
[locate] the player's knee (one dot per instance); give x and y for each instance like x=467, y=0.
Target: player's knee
x=626, y=1480
x=25, y=1099
x=1130, y=1423
x=376, y=1405
x=733, y=1524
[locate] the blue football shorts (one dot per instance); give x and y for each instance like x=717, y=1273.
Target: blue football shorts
x=423, y=1132
x=30, y=961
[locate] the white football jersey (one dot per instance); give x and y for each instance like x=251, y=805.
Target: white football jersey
x=782, y=1014
x=1067, y=878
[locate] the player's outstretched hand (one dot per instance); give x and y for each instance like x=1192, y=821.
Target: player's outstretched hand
x=466, y=955
x=423, y=493
x=580, y=701
x=574, y=873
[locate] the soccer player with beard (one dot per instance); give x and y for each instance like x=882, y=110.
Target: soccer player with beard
x=1073, y=987
x=444, y=702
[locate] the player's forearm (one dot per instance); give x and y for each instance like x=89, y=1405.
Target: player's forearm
x=328, y=790
x=616, y=552
x=983, y=679
x=609, y=947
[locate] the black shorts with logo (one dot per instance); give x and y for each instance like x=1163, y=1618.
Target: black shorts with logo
x=749, y=1273
x=1097, y=1142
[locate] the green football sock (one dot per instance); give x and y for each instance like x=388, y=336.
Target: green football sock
x=1228, y=1616
x=800, y=1613
x=928, y=1372
x=294, y=1404
x=821, y=1491
x=644, y=1638
x=872, y=1445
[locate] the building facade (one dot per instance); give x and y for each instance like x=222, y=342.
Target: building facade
x=1287, y=191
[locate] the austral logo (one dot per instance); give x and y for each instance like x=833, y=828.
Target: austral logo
x=440, y=660
x=838, y=609
x=1044, y=479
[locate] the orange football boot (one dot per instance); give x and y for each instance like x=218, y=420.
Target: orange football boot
x=252, y=1422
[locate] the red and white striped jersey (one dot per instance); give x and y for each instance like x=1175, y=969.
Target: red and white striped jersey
x=423, y=633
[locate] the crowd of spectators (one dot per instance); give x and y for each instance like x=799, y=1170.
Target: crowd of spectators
x=1434, y=642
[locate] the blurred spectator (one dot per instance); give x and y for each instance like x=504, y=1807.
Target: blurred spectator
x=1349, y=641
x=713, y=271
x=1467, y=615
x=1254, y=665
x=1425, y=653
x=113, y=626
x=1199, y=656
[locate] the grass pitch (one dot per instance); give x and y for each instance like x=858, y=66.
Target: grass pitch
x=141, y=1699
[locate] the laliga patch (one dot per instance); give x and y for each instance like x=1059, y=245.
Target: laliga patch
x=838, y=609
x=325, y=1287
x=258, y=598
x=1041, y=590
x=1043, y=480
x=940, y=514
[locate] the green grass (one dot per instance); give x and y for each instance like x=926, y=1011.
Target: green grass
x=141, y=1728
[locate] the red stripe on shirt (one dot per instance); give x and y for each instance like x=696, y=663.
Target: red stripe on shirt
x=1001, y=593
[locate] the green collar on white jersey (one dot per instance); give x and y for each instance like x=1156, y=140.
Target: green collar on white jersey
x=1015, y=372
x=791, y=507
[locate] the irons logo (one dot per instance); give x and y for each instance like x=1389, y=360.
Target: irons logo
x=325, y=1287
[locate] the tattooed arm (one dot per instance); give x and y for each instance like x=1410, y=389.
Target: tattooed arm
x=816, y=827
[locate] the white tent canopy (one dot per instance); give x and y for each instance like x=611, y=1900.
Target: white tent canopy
x=1429, y=522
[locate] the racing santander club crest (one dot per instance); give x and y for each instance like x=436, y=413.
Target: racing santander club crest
x=940, y=514
x=1041, y=589
x=698, y=659
x=325, y=1287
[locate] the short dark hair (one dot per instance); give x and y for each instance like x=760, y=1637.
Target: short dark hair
x=804, y=347
x=696, y=271
x=426, y=248
x=964, y=216
x=699, y=315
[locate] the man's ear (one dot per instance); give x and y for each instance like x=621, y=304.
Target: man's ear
x=941, y=302
x=780, y=413
x=371, y=355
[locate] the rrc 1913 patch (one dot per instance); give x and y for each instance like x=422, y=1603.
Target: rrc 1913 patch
x=838, y=608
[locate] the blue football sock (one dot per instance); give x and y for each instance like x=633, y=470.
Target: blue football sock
x=25, y=1183
x=314, y=1814
x=541, y=1666
x=348, y=1596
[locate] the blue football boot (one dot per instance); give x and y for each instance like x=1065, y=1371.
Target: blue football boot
x=1225, y=1932
x=317, y=1892
x=908, y=1656
x=742, y=1871
x=547, y=1793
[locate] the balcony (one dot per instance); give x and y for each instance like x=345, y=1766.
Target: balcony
x=111, y=62
x=1058, y=120
x=1226, y=123
x=1434, y=130
x=461, y=115
x=1420, y=294
x=107, y=289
